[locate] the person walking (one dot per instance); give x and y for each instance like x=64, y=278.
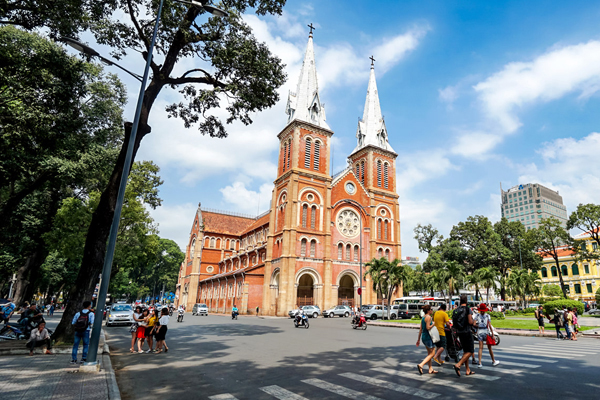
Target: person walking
x=161, y=333
x=539, y=315
x=440, y=320
x=568, y=324
x=570, y=317
x=558, y=323
x=426, y=325
x=39, y=337
x=52, y=308
x=151, y=330
x=141, y=330
x=462, y=321
x=134, y=327
x=575, y=322
x=483, y=322
x=82, y=321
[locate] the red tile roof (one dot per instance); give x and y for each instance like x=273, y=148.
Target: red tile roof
x=226, y=224
x=264, y=220
x=561, y=252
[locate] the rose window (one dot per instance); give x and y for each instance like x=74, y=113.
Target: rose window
x=347, y=223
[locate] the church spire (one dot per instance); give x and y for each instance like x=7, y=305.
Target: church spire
x=305, y=104
x=371, y=128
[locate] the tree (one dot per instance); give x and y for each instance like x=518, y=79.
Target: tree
x=550, y=239
x=387, y=277
x=487, y=277
x=482, y=245
x=236, y=69
x=439, y=280
x=523, y=283
x=552, y=290
x=457, y=277
x=427, y=236
x=587, y=219
x=474, y=280
x=598, y=295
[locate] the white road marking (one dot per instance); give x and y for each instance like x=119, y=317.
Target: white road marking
x=281, y=393
x=391, y=386
x=462, y=372
x=517, y=364
x=342, y=391
x=224, y=396
x=550, y=350
x=523, y=358
x=540, y=353
x=423, y=378
x=499, y=369
x=561, y=347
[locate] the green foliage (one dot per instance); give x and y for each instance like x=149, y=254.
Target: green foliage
x=528, y=310
x=496, y=315
x=552, y=290
x=559, y=304
x=598, y=295
x=587, y=219
x=387, y=276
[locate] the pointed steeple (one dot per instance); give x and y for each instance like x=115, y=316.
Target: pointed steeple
x=305, y=104
x=371, y=128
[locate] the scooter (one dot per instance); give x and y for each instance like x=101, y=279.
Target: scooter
x=301, y=320
x=180, y=316
x=15, y=331
x=234, y=314
x=359, y=322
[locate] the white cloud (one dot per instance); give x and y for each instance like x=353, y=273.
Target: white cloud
x=475, y=144
x=175, y=221
x=393, y=49
x=245, y=200
x=448, y=94
x=569, y=167
x=548, y=77
x=421, y=166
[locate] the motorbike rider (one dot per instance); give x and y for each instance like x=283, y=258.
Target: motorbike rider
x=299, y=314
x=31, y=317
x=180, y=312
x=234, y=311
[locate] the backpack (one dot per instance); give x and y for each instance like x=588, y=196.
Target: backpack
x=459, y=319
x=82, y=322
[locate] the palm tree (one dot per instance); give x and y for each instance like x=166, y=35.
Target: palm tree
x=517, y=282
x=375, y=269
x=439, y=280
x=488, y=276
x=387, y=276
x=457, y=277
x=474, y=280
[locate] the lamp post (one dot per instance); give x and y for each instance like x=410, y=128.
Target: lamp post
x=112, y=239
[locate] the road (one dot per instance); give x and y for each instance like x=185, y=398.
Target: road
x=267, y=358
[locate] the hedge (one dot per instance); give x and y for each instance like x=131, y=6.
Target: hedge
x=496, y=315
x=551, y=305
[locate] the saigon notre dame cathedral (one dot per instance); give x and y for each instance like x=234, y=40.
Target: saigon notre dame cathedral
x=308, y=247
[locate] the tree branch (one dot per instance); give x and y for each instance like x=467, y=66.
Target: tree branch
x=207, y=80
x=138, y=28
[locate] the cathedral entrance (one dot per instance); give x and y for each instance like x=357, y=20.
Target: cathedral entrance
x=346, y=291
x=305, y=290
x=274, y=291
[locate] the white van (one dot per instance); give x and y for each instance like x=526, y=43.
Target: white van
x=200, y=309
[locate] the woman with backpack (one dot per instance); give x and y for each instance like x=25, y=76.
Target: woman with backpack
x=426, y=325
x=557, y=319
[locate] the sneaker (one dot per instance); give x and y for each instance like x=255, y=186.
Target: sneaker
x=83, y=360
x=73, y=362
x=437, y=361
x=495, y=363
x=141, y=352
x=479, y=365
x=149, y=351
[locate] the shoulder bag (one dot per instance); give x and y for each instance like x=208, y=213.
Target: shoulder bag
x=434, y=334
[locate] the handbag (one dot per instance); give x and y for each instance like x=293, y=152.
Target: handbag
x=490, y=340
x=434, y=334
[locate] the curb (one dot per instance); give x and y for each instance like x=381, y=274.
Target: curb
x=111, y=379
x=17, y=349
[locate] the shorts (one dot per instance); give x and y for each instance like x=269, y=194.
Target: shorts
x=162, y=333
x=427, y=342
x=148, y=330
x=441, y=343
x=466, y=341
x=482, y=336
x=141, y=332
x=541, y=322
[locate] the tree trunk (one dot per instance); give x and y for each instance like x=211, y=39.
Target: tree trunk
x=27, y=275
x=560, y=278
x=97, y=236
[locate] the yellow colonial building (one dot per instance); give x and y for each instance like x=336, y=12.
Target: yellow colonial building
x=581, y=278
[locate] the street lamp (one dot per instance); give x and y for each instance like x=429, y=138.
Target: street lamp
x=112, y=239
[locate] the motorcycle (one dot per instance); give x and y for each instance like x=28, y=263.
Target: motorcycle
x=16, y=331
x=234, y=314
x=180, y=316
x=359, y=322
x=301, y=320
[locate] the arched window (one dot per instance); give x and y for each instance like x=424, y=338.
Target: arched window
x=379, y=173
x=212, y=243
x=385, y=175
x=317, y=155
x=284, y=156
x=304, y=216
x=227, y=244
x=340, y=249
x=564, y=270
x=544, y=272
x=348, y=252
x=385, y=230
x=387, y=254
x=303, y=247
x=307, y=153
x=357, y=171
x=355, y=253
x=379, y=229
x=313, y=248
x=192, y=247
x=313, y=216
x=380, y=253
x=575, y=269
x=289, y=153
x=206, y=242
x=219, y=243
x=362, y=172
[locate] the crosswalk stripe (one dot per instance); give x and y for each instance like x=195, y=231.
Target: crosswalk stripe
x=224, y=396
x=519, y=350
x=522, y=358
x=281, y=393
x=423, y=378
x=476, y=376
x=562, y=347
x=391, y=386
x=342, y=391
x=499, y=369
x=551, y=351
x=518, y=364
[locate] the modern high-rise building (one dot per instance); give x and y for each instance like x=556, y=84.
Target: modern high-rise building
x=531, y=203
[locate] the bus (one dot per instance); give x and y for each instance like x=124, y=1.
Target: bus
x=408, y=300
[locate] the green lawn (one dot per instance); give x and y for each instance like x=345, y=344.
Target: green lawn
x=508, y=324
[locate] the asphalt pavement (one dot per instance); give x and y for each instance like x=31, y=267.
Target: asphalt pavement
x=215, y=357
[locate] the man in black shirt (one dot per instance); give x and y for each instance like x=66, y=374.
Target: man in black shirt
x=462, y=320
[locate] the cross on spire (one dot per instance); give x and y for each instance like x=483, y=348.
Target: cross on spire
x=372, y=61
x=311, y=28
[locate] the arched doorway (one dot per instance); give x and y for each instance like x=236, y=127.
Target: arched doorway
x=274, y=291
x=346, y=291
x=305, y=290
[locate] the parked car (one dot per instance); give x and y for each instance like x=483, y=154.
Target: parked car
x=376, y=311
x=399, y=311
x=200, y=309
x=310, y=311
x=594, y=311
x=340, y=311
x=120, y=314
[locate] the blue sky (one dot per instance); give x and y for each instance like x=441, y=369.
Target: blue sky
x=473, y=94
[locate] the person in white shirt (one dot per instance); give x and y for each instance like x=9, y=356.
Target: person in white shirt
x=163, y=321
x=39, y=337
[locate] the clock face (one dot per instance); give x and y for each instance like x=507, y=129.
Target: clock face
x=347, y=223
x=350, y=188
